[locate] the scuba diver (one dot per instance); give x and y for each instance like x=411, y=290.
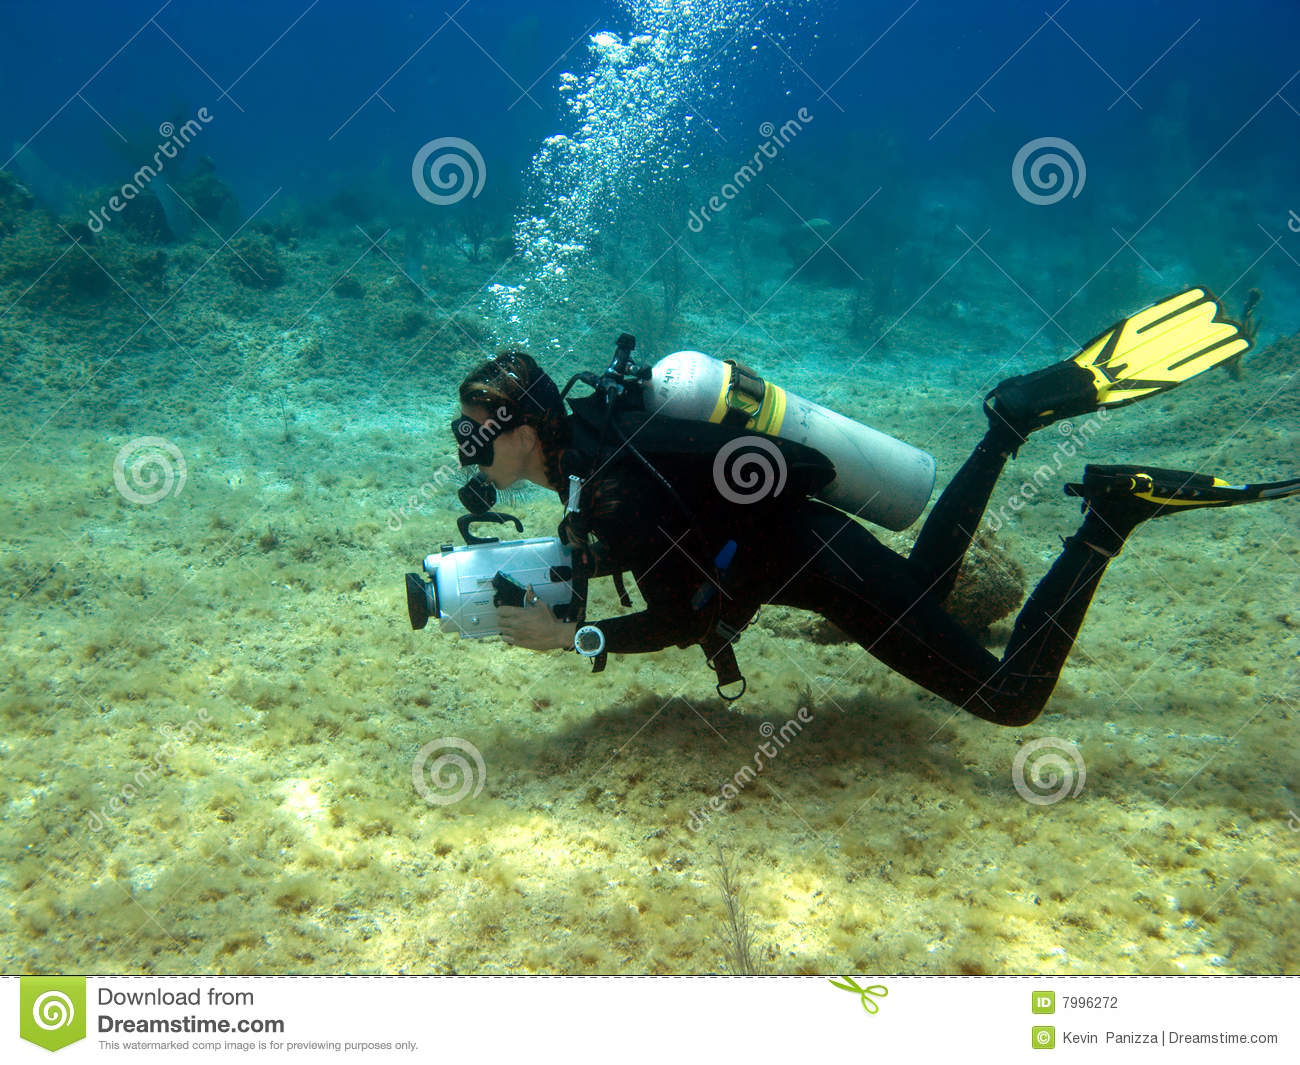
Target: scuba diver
x=705, y=563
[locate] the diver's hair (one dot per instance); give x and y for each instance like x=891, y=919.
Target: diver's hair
x=513, y=380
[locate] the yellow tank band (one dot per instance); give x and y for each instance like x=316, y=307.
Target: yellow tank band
x=747, y=404
x=771, y=413
x=720, y=404
x=764, y=416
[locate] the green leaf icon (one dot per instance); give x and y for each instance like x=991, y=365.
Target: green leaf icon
x=52, y=1010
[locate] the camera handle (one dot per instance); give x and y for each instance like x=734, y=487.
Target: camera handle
x=466, y=520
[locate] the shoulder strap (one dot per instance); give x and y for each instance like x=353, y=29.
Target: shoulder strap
x=807, y=470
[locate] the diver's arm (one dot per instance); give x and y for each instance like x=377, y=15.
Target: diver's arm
x=535, y=627
x=666, y=620
x=538, y=629
x=638, y=531
x=644, y=631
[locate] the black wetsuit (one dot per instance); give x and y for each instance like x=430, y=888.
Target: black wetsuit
x=809, y=555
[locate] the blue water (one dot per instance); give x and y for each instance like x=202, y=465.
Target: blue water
x=1195, y=158
x=289, y=313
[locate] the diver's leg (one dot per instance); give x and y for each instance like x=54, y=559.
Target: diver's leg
x=1117, y=499
x=1138, y=357
x=865, y=589
x=874, y=595
x=1049, y=622
x=952, y=523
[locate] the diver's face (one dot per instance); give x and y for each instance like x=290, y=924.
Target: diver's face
x=510, y=450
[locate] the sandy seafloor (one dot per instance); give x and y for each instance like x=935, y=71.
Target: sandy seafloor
x=245, y=641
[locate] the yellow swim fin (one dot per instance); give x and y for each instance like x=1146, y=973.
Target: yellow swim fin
x=1149, y=491
x=1160, y=347
x=1147, y=353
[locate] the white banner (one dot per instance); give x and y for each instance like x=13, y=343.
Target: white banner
x=635, y=1019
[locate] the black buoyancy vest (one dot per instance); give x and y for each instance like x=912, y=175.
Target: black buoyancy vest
x=683, y=453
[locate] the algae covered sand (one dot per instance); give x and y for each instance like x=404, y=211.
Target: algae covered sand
x=213, y=700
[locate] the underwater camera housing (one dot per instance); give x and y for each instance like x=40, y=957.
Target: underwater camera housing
x=462, y=587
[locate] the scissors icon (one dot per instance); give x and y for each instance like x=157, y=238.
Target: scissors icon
x=867, y=994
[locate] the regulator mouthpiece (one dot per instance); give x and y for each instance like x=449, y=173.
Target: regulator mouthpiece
x=478, y=495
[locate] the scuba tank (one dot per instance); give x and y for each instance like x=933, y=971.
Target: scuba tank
x=877, y=477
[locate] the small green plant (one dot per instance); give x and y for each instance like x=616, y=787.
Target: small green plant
x=1249, y=329
x=741, y=953
x=806, y=697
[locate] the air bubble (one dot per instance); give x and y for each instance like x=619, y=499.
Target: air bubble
x=632, y=139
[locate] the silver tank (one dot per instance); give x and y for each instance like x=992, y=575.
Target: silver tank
x=877, y=478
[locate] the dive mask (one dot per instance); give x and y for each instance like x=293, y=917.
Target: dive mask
x=474, y=439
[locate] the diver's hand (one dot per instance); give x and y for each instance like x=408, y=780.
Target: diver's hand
x=534, y=626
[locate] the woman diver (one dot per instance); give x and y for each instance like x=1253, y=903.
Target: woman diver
x=706, y=566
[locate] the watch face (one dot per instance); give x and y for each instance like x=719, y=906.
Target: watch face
x=589, y=640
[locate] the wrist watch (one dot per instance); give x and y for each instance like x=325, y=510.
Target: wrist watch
x=589, y=641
